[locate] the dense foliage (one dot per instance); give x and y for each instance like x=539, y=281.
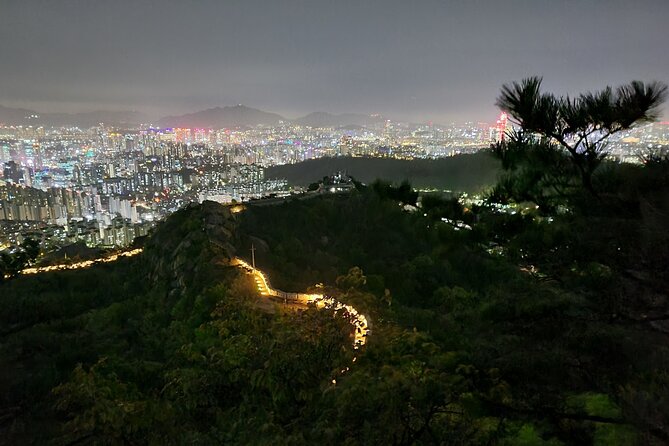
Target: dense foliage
x=559, y=340
x=468, y=173
x=543, y=321
x=12, y=262
x=579, y=127
x=166, y=348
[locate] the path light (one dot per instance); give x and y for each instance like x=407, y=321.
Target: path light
x=360, y=327
x=81, y=265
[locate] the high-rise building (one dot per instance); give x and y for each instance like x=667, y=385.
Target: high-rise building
x=498, y=131
x=12, y=173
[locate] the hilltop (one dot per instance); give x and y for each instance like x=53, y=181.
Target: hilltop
x=324, y=119
x=168, y=346
x=225, y=117
x=22, y=116
x=466, y=173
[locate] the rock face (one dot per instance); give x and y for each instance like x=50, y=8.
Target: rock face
x=187, y=248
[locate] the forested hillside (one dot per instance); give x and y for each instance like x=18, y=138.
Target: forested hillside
x=526, y=329
x=538, y=315
x=464, y=173
x=168, y=347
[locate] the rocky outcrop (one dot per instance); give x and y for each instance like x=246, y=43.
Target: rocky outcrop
x=189, y=245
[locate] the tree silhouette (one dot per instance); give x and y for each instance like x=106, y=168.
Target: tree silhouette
x=581, y=125
x=11, y=264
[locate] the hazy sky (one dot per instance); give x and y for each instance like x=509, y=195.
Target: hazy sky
x=420, y=60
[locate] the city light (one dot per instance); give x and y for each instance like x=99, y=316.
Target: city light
x=106, y=186
x=82, y=264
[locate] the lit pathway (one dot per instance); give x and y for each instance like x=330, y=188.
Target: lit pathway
x=81, y=265
x=265, y=289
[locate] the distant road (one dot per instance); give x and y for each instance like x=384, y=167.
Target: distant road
x=81, y=265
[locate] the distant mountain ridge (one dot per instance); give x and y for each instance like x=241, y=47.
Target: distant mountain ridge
x=222, y=117
x=14, y=116
x=324, y=119
x=243, y=116
x=217, y=117
x=23, y=116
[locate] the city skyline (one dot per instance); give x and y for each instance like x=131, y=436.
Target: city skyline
x=436, y=61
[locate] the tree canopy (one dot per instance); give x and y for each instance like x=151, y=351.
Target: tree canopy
x=491, y=323
x=581, y=125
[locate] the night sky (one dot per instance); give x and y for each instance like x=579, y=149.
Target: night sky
x=418, y=60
